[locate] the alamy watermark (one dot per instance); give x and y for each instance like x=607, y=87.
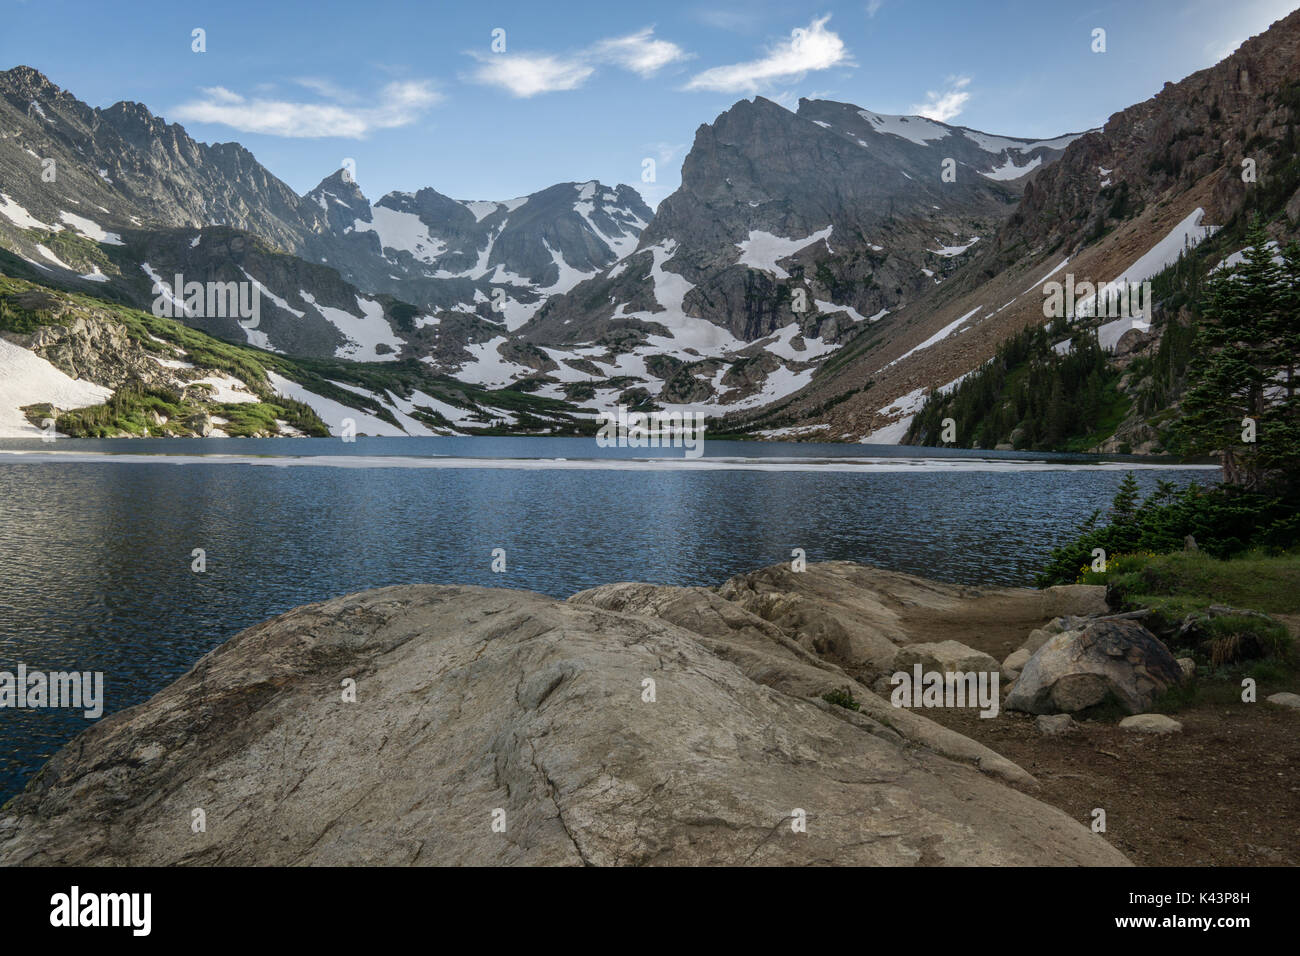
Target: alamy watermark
x=79, y=690
x=76, y=909
x=1110, y=300
x=923, y=688
x=623, y=429
x=208, y=300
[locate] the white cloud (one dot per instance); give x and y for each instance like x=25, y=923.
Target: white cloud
x=946, y=105
x=528, y=74
x=220, y=94
x=639, y=52
x=398, y=104
x=327, y=88
x=809, y=48
x=873, y=7
x=524, y=75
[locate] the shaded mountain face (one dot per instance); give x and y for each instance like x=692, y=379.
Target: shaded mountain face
x=124, y=166
x=1175, y=175
x=790, y=232
x=852, y=205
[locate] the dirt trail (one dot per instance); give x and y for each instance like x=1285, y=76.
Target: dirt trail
x=1223, y=792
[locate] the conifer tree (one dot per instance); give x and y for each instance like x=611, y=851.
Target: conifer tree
x=1241, y=402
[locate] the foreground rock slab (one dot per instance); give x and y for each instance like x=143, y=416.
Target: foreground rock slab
x=474, y=706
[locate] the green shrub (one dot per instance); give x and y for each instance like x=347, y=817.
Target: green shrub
x=842, y=698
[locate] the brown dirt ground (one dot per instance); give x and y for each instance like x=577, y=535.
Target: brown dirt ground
x=1223, y=792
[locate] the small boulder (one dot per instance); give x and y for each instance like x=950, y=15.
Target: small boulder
x=1015, y=663
x=1150, y=724
x=1053, y=725
x=200, y=425
x=946, y=657
x=1285, y=700
x=1107, y=658
x=1038, y=638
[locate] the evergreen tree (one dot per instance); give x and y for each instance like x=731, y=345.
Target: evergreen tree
x=1242, y=373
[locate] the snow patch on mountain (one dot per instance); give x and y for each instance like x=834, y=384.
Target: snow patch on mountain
x=762, y=250
x=916, y=129
x=19, y=216
x=949, y=252
x=1009, y=169
x=28, y=379
x=91, y=229
x=333, y=413
x=403, y=232
x=1187, y=234
x=364, y=333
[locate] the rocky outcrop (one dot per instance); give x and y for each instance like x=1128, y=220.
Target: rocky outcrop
x=769, y=656
x=1108, y=659
x=859, y=616
x=455, y=725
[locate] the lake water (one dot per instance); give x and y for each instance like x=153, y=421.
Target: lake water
x=96, y=537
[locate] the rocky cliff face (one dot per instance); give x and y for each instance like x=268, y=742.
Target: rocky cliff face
x=1160, y=179
x=846, y=204
x=431, y=725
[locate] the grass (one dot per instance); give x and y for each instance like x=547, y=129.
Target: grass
x=1182, y=584
x=1194, y=580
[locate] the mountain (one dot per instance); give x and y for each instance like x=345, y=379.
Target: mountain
x=820, y=273
x=790, y=233
x=1161, y=193
x=99, y=369
x=789, y=230
x=112, y=202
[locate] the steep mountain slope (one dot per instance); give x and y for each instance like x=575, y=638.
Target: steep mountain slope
x=789, y=232
x=1122, y=203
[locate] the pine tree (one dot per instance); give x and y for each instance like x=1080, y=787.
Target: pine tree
x=1244, y=363
x=1124, y=505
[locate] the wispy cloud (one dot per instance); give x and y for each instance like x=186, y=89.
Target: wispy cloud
x=528, y=74
x=397, y=104
x=873, y=7
x=943, y=105
x=640, y=52
x=809, y=48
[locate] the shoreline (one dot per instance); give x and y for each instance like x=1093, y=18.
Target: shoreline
x=773, y=638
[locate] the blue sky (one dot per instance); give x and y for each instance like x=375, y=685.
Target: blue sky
x=415, y=94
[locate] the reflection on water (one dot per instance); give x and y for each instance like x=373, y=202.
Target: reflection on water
x=95, y=557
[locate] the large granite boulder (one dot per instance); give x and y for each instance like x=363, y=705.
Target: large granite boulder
x=767, y=656
x=456, y=725
x=1107, y=659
